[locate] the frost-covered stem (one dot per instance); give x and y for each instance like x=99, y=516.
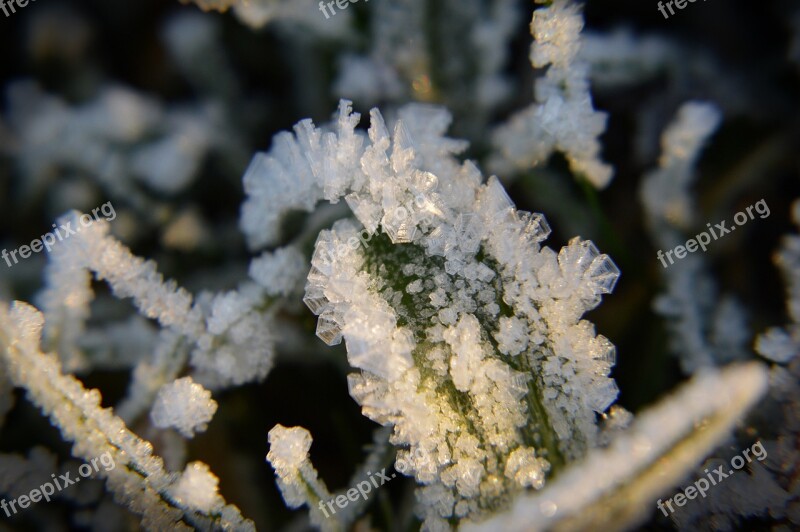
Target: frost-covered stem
x=562, y=118
x=228, y=334
x=168, y=359
x=114, y=263
x=297, y=479
x=381, y=454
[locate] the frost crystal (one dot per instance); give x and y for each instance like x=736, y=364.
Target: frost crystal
x=185, y=406
x=197, y=488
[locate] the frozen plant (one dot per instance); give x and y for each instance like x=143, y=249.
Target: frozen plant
x=139, y=479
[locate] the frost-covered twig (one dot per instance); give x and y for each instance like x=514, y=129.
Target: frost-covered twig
x=299, y=482
x=228, y=334
x=300, y=485
x=121, y=140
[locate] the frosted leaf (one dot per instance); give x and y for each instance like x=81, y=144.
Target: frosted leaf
x=450, y=266
x=183, y=405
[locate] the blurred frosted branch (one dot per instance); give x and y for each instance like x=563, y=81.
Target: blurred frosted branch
x=139, y=479
x=563, y=118
x=259, y=13
x=704, y=329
